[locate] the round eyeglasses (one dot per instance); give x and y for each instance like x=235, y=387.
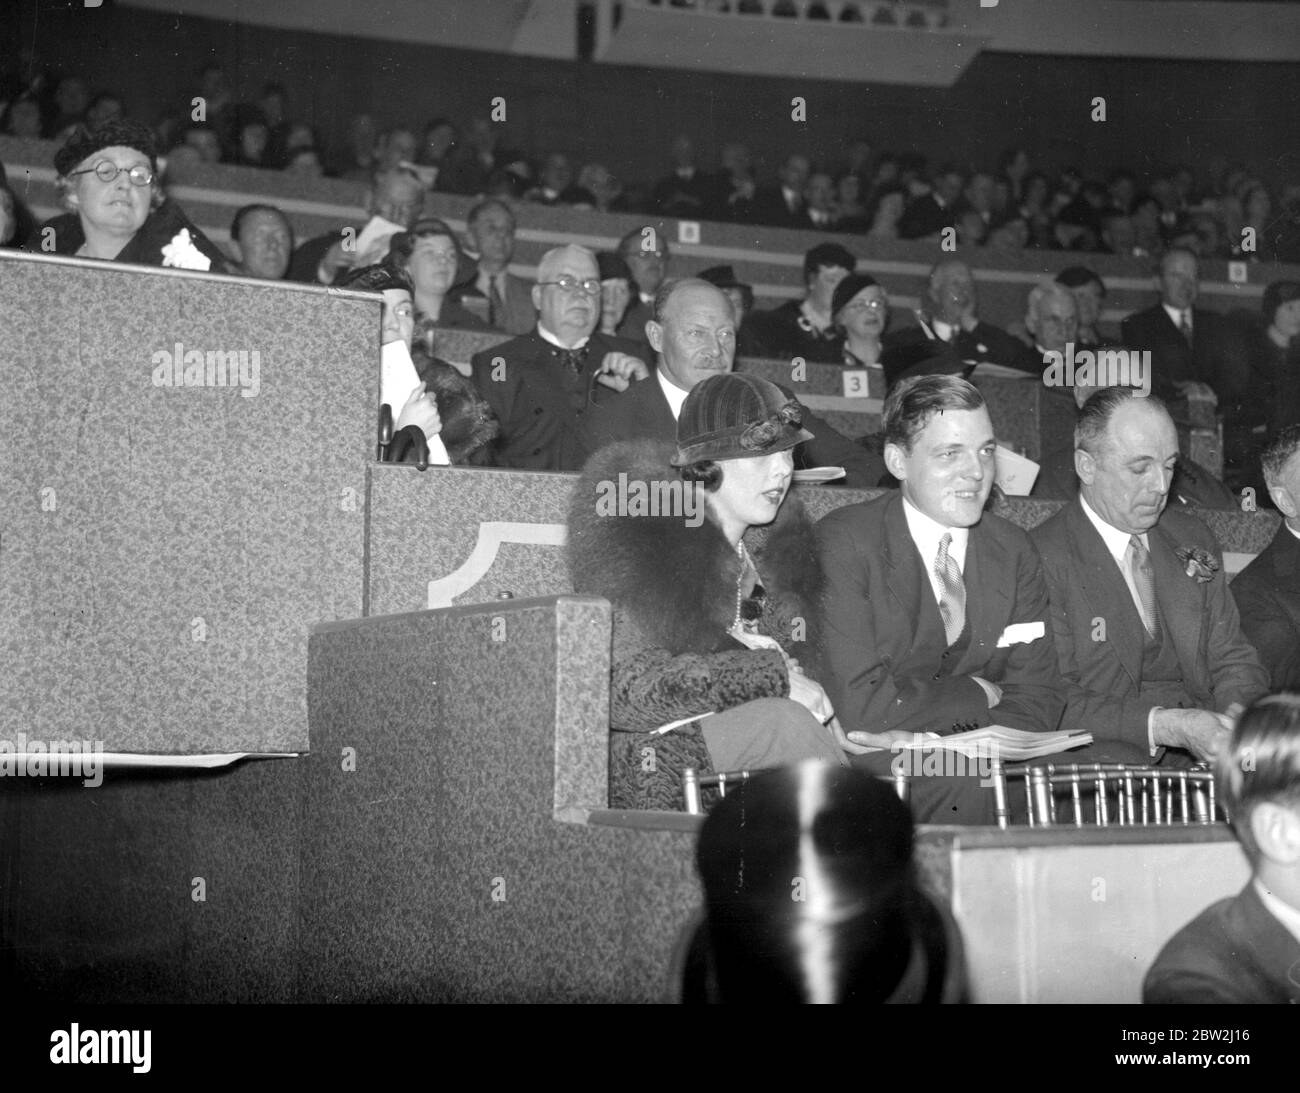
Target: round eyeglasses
x=571, y=284
x=106, y=171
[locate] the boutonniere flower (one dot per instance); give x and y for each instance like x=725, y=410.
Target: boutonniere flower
x=1199, y=563
x=181, y=253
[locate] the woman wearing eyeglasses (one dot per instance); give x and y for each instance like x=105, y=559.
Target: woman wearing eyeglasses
x=860, y=309
x=118, y=212
x=714, y=580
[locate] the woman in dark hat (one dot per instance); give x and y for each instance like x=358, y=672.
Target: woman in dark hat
x=615, y=290
x=109, y=181
x=811, y=896
x=860, y=310
x=445, y=405
x=713, y=574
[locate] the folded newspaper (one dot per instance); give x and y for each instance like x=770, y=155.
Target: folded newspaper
x=1001, y=742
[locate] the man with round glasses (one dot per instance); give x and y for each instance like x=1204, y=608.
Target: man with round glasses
x=117, y=210
x=540, y=384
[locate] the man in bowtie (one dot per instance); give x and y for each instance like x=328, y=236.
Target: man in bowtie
x=935, y=613
x=540, y=384
x=1148, y=637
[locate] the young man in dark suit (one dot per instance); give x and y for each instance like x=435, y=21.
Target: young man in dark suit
x=1246, y=949
x=540, y=385
x=1148, y=637
x=935, y=617
x=693, y=336
x=1268, y=590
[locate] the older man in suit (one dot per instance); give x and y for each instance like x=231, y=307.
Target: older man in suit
x=693, y=335
x=936, y=614
x=1184, y=341
x=1246, y=949
x=1149, y=639
x=509, y=298
x=540, y=384
x=1268, y=590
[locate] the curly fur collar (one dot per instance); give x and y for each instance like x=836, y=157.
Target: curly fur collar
x=678, y=583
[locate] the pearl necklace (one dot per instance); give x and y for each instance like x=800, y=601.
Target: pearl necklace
x=745, y=562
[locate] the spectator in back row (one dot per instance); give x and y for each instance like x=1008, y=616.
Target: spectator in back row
x=431, y=256
x=804, y=327
x=109, y=181
x=491, y=227
x=396, y=195
x=860, y=309
x=261, y=238
x=645, y=250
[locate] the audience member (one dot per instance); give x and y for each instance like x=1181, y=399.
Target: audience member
x=1051, y=323
x=261, y=239
x=539, y=385
x=615, y=290
x=472, y=163
x=949, y=318
x=1149, y=639
x=1246, y=949
x=431, y=256
x=860, y=310
x=703, y=623
x=491, y=227
x=1267, y=591
x=1089, y=293
x=935, y=613
x=803, y=327
x=205, y=140
x=684, y=191
x=109, y=181
x=819, y=202
x=693, y=335
x=782, y=205
x=862, y=930
x=646, y=252
x=362, y=143
x=396, y=195
x=934, y=210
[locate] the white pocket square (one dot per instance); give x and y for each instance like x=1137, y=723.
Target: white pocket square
x=1021, y=633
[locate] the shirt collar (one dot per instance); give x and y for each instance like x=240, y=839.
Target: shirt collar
x=551, y=339
x=1286, y=914
x=674, y=394
x=1116, y=540
x=926, y=533
x=1176, y=314
x=943, y=331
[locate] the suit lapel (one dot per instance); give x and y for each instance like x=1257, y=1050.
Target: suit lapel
x=988, y=576
x=658, y=412
x=907, y=581
x=1181, y=601
x=1103, y=587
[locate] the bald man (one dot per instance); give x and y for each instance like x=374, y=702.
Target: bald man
x=540, y=385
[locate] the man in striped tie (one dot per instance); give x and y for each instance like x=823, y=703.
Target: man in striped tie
x=935, y=618
x=1149, y=638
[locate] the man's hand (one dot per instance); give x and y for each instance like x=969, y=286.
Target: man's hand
x=1202, y=732
x=621, y=370
x=420, y=409
x=845, y=744
x=812, y=696
x=337, y=258
x=887, y=739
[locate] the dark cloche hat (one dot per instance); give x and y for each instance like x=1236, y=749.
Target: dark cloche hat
x=737, y=416
x=84, y=143
x=848, y=288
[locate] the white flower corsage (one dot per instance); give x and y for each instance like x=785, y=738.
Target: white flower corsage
x=181, y=253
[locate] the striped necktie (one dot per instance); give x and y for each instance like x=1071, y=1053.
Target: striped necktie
x=952, y=595
x=1139, y=563
x=496, y=305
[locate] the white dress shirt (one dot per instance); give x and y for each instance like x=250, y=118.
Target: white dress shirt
x=926, y=534
x=1176, y=316
x=674, y=394
x=550, y=338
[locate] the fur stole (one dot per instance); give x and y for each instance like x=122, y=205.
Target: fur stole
x=468, y=424
x=677, y=583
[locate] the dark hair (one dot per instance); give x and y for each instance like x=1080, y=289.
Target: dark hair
x=1261, y=764
x=707, y=473
x=827, y=255
x=1095, y=414
x=1078, y=276
x=913, y=402
x=237, y=225
x=1278, y=453
x=1275, y=295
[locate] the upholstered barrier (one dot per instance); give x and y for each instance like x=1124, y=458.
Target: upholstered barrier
x=770, y=259
x=182, y=479
x=457, y=536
